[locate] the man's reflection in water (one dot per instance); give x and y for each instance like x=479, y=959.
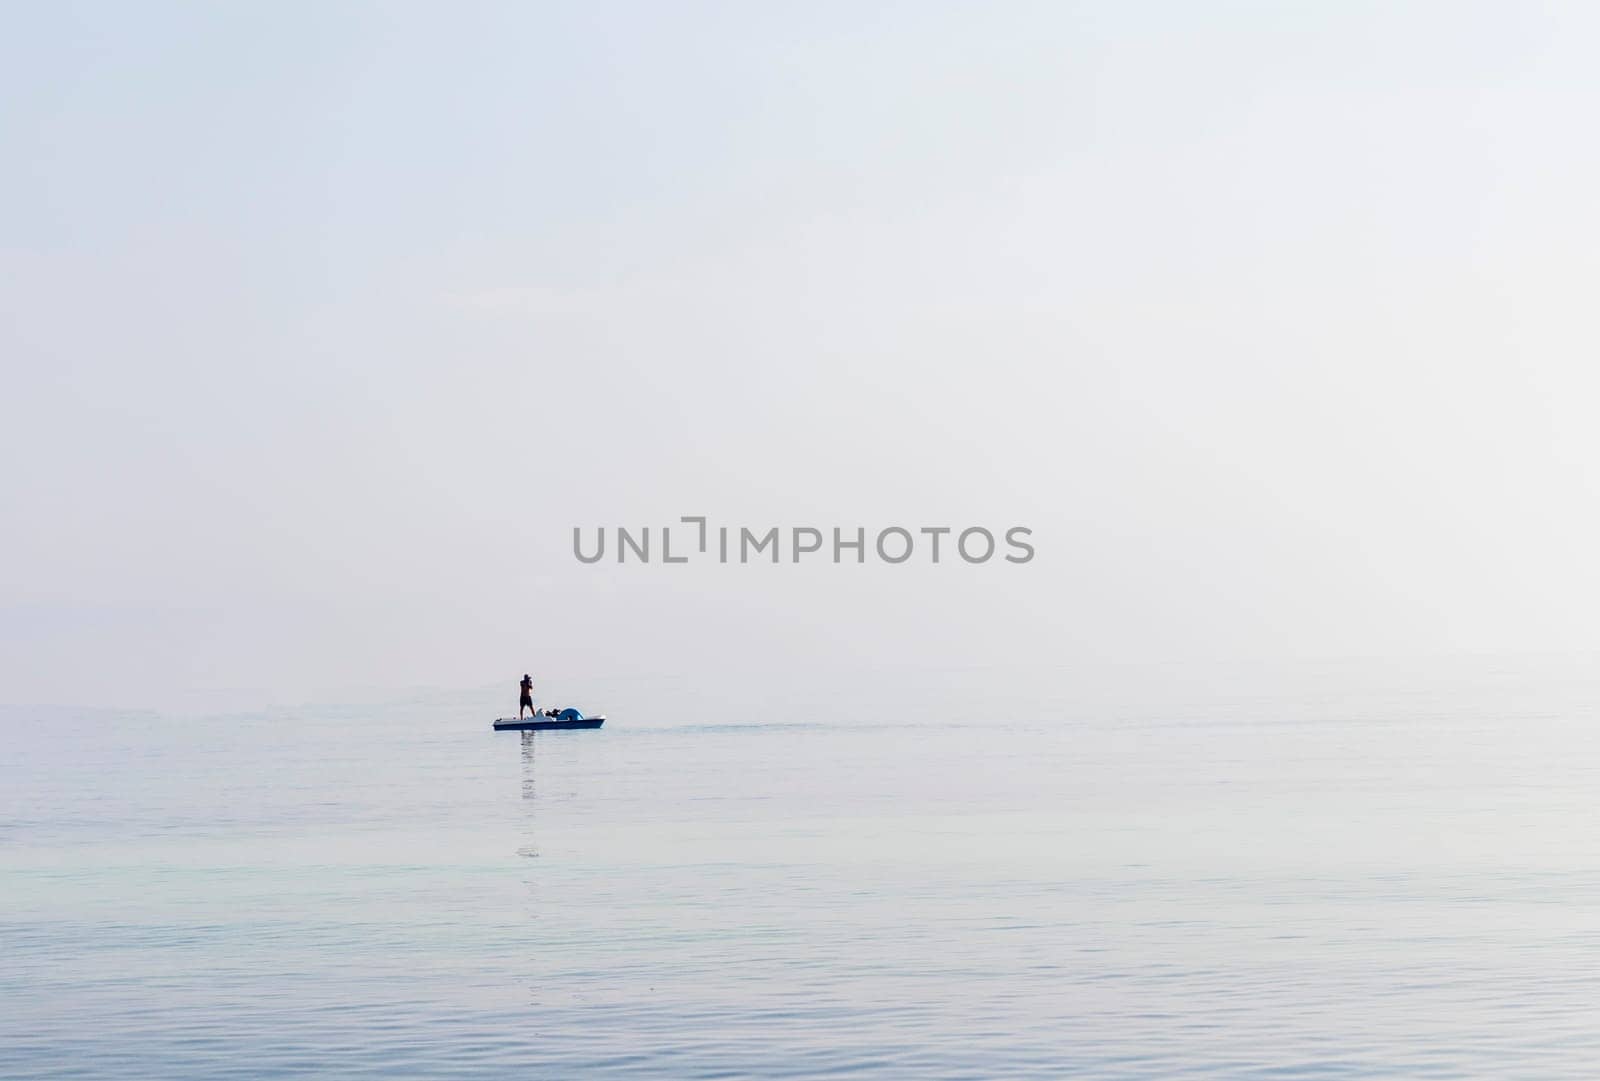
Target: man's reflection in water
x=527, y=765
x=530, y=847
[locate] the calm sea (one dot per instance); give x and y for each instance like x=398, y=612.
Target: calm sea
x=1351, y=870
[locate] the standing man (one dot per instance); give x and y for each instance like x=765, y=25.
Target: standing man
x=527, y=697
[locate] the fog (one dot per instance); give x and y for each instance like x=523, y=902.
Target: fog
x=324, y=326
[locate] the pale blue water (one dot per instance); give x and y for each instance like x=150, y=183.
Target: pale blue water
x=1337, y=872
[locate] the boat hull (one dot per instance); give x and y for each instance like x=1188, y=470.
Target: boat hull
x=544, y=724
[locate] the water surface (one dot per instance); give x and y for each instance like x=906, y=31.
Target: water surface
x=1347, y=871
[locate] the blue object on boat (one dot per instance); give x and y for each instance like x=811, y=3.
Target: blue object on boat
x=569, y=714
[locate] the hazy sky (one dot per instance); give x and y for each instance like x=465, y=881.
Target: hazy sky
x=323, y=325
